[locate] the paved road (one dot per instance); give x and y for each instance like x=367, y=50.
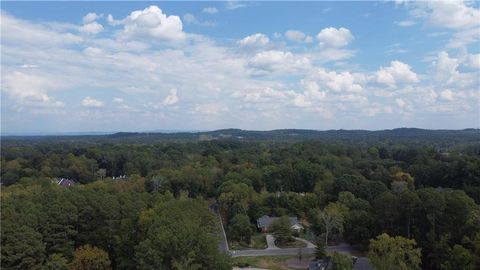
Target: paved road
x=223, y=244
x=286, y=251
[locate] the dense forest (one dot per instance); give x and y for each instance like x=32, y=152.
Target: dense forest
x=420, y=187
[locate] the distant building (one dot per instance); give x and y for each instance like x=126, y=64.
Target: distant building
x=264, y=223
x=64, y=182
x=120, y=177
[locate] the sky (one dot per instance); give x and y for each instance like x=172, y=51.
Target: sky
x=143, y=66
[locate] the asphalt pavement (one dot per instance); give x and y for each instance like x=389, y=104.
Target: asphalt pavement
x=286, y=251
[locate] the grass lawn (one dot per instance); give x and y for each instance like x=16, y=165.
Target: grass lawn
x=269, y=262
x=257, y=242
x=291, y=244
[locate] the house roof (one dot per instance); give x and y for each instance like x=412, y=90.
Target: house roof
x=266, y=221
x=63, y=182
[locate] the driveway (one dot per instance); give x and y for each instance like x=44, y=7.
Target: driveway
x=271, y=242
x=309, y=244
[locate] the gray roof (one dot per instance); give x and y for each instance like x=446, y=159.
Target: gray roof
x=266, y=221
x=63, y=182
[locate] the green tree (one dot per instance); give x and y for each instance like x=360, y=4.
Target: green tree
x=341, y=261
x=320, y=251
x=56, y=262
x=22, y=248
x=332, y=219
x=240, y=228
x=90, y=258
x=460, y=259
x=394, y=253
x=281, y=229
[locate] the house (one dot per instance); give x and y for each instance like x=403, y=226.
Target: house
x=121, y=177
x=264, y=223
x=63, y=182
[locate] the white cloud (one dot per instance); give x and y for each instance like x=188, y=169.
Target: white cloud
x=210, y=10
x=210, y=109
x=22, y=33
x=232, y=5
x=151, y=23
x=447, y=95
x=30, y=90
x=446, y=73
x=172, y=98
x=472, y=61
x=263, y=95
x=333, y=37
x=405, y=23
x=118, y=100
x=449, y=14
x=91, y=17
x=397, y=72
x=92, y=103
x=255, y=41
x=91, y=28
x=464, y=37
x=274, y=60
x=189, y=18
x=28, y=66
x=337, y=82
x=298, y=36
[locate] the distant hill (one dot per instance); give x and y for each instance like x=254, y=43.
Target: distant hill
x=398, y=134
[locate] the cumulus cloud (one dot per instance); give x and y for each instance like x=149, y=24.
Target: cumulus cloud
x=255, y=41
x=151, y=23
x=274, y=60
x=210, y=10
x=446, y=72
x=263, y=95
x=30, y=90
x=449, y=14
x=172, y=98
x=92, y=103
x=333, y=37
x=91, y=17
x=337, y=81
x=297, y=36
x=91, y=28
x=472, y=61
x=460, y=16
x=397, y=72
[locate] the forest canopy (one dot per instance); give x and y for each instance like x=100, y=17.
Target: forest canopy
x=135, y=198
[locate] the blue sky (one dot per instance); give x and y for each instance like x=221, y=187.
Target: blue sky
x=136, y=66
